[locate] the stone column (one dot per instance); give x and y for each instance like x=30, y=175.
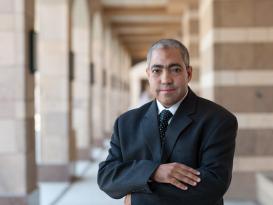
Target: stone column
x=119, y=74
x=97, y=88
x=125, y=63
x=237, y=72
x=18, y=181
x=56, y=137
x=137, y=74
x=118, y=65
x=114, y=84
x=190, y=28
x=81, y=82
x=108, y=88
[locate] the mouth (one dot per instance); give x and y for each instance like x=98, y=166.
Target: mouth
x=167, y=90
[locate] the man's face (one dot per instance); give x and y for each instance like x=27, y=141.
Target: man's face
x=168, y=76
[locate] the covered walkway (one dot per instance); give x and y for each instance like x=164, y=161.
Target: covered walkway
x=69, y=68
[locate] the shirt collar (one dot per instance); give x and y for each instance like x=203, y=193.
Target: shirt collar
x=173, y=108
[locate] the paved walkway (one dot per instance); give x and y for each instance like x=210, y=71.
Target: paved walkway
x=85, y=191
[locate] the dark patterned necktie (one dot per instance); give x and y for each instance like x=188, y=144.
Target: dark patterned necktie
x=164, y=118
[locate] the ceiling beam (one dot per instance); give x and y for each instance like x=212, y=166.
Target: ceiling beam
x=145, y=27
x=146, y=24
x=136, y=11
x=145, y=18
x=127, y=3
x=137, y=30
x=139, y=38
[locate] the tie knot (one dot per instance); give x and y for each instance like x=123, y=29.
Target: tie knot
x=165, y=116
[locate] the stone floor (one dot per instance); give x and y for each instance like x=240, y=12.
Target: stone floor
x=85, y=191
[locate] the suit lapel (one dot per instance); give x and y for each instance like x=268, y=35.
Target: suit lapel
x=149, y=127
x=181, y=120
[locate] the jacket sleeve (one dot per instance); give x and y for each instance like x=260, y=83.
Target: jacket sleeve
x=117, y=177
x=216, y=161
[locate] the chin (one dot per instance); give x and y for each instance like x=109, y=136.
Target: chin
x=167, y=103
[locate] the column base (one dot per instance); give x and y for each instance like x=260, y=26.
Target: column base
x=55, y=173
x=98, y=142
x=30, y=199
x=84, y=154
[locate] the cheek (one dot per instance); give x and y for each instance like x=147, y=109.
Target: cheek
x=152, y=83
x=153, y=87
x=182, y=81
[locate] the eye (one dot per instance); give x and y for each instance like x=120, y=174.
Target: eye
x=176, y=69
x=156, y=70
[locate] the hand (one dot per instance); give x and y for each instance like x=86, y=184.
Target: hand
x=127, y=200
x=176, y=174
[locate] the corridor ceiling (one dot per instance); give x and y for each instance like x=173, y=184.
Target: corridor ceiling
x=139, y=23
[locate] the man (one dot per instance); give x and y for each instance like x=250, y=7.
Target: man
x=175, y=150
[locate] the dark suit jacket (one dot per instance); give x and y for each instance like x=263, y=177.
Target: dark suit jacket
x=200, y=135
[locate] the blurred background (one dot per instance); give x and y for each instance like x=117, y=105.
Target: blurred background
x=70, y=67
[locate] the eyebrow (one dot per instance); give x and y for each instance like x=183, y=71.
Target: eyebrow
x=175, y=65
x=168, y=66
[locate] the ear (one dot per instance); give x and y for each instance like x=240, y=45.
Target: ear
x=189, y=72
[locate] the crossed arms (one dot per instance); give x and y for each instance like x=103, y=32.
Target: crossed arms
x=204, y=185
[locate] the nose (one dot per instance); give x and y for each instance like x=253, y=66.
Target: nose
x=166, y=77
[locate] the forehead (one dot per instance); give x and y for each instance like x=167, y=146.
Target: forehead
x=165, y=55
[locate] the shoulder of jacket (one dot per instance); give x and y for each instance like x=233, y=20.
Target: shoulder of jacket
x=210, y=106
x=136, y=112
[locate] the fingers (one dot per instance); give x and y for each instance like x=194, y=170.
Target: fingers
x=177, y=174
x=178, y=184
x=127, y=200
x=187, y=176
x=185, y=168
x=182, y=175
x=185, y=179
